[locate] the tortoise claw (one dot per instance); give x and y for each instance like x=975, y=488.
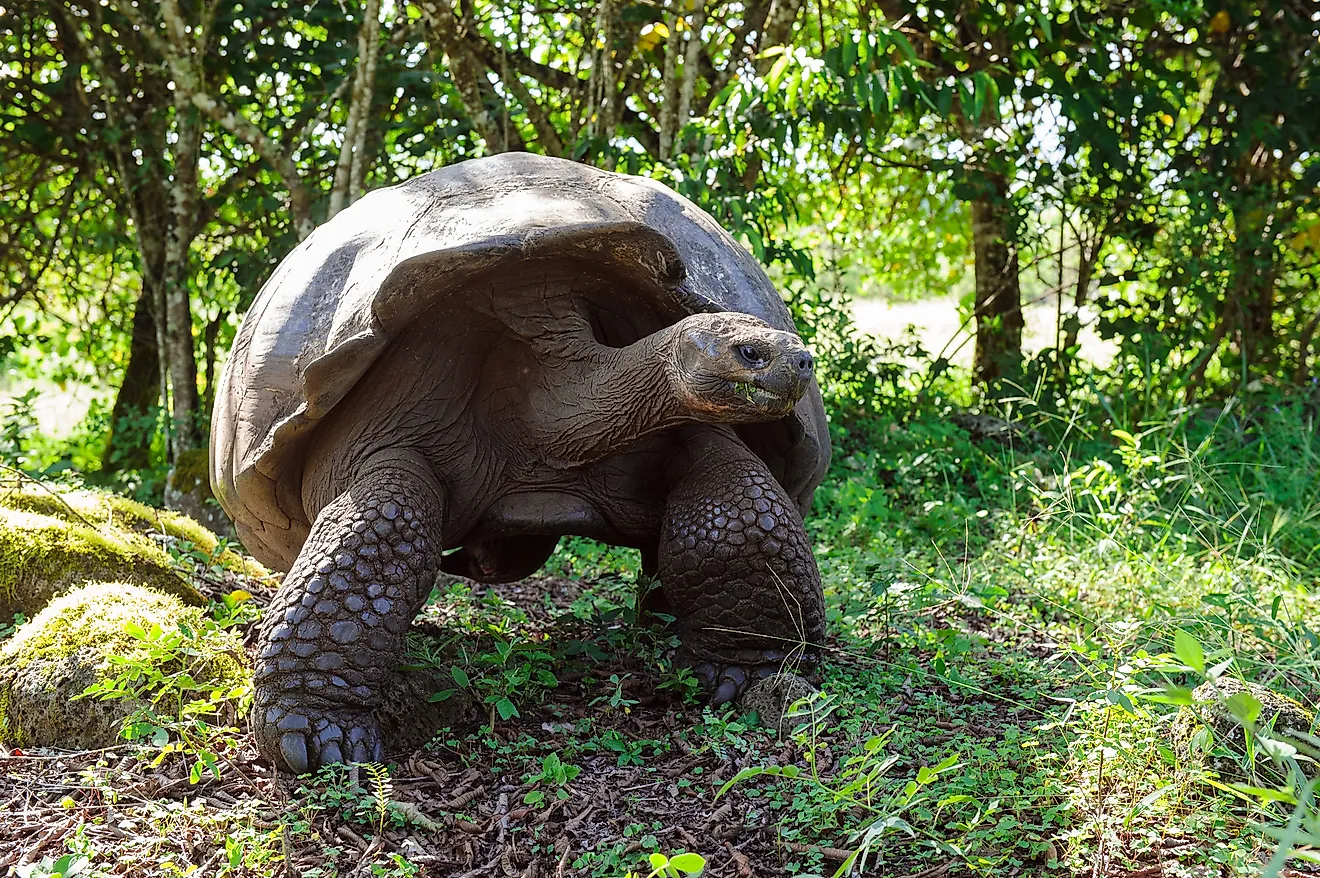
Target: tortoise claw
x=727, y=682
x=293, y=749
x=307, y=737
x=727, y=691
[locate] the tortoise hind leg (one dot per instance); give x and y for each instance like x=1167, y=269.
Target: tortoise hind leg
x=335, y=632
x=503, y=559
x=736, y=565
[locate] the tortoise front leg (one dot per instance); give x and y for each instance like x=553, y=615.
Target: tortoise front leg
x=736, y=565
x=335, y=632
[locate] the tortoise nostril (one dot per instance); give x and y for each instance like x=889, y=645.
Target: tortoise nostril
x=805, y=363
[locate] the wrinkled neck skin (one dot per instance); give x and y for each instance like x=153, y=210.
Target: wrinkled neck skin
x=595, y=399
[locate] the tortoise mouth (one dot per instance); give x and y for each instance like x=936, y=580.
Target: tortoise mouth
x=762, y=396
x=769, y=399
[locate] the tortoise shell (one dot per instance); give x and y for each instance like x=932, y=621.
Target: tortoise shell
x=337, y=302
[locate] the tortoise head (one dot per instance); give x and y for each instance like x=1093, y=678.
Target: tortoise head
x=734, y=368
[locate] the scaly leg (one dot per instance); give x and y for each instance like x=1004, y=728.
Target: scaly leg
x=335, y=632
x=736, y=565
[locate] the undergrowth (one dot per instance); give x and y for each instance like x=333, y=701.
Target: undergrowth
x=1016, y=627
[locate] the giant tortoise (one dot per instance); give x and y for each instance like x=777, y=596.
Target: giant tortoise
x=482, y=360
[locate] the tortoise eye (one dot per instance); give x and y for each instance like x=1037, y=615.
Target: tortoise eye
x=751, y=355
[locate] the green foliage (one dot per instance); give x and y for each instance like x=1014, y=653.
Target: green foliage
x=182, y=705
x=555, y=774
x=663, y=866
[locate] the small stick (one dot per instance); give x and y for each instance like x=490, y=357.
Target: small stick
x=40, y=484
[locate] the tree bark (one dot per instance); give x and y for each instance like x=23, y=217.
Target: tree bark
x=467, y=72
x=602, y=88
x=209, y=338
x=998, y=293
x=350, y=168
x=139, y=392
x=670, y=89
x=691, y=63
x=180, y=352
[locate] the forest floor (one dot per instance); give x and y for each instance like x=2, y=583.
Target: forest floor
x=1003, y=625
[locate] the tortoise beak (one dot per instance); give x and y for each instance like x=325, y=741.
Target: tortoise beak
x=789, y=375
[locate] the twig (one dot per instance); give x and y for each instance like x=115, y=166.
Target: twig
x=38, y=482
x=827, y=853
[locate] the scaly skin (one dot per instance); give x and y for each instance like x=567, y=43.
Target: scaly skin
x=336, y=629
x=736, y=566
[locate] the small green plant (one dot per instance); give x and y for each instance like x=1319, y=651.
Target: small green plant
x=681, y=681
x=335, y=788
x=663, y=866
x=8, y=628
x=395, y=866
x=627, y=752
x=176, y=712
x=512, y=668
x=192, y=560
x=616, y=699
x=382, y=790
x=859, y=785
x=554, y=774
x=235, y=608
x=77, y=863
x=722, y=730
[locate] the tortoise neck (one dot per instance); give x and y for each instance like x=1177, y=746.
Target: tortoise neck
x=596, y=400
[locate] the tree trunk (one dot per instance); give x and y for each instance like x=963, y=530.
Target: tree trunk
x=690, y=64
x=126, y=448
x=350, y=164
x=467, y=73
x=669, y=89
x=1088, y=252
x=209, y=338
x=1253, y=289
x=998, y=294
x=180, y=351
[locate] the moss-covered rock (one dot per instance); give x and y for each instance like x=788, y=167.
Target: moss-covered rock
x=1208, y=732
x=67, y=647
x=136, y=520
x=772, y=699
x=42, y=556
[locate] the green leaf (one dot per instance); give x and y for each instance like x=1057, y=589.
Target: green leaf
x=1189, y=651
x=658, y=861
x=1267, y=795
x=1244, y=706
x=1046, y=25
x=460, y=676
x=689, y=863
x=1179, y=695
x=506, y=708
x=1114, y=696
x=776, y=74
x=1126, y=438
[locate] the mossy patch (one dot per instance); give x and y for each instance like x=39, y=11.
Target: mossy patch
x=67, y=647
x=42, y=556
x=1209, y=732
x=136, y=520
